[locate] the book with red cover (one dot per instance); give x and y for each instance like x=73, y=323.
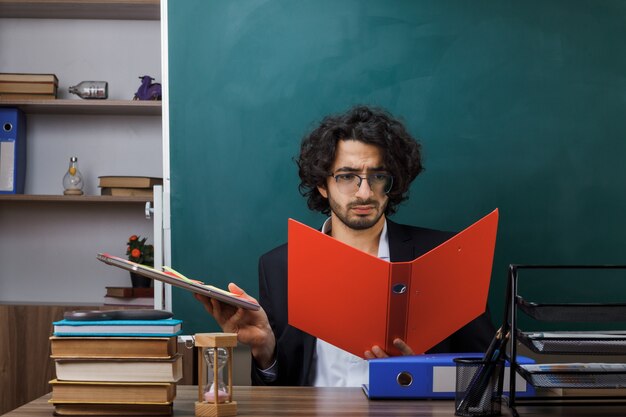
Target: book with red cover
x=354, y=300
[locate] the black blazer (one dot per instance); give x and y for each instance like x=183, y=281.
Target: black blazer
x=295, y=349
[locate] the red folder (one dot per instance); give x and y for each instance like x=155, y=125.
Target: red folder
x=354, y=300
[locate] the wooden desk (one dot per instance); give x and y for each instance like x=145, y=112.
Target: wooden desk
x=311, y=402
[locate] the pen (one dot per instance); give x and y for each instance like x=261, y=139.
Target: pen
x=479, y=383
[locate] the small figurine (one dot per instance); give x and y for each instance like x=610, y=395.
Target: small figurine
x=148, y=90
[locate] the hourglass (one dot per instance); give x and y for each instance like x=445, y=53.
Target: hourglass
x=215, y=358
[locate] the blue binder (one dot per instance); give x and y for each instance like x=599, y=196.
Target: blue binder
x=425, y=376
x=12, y=151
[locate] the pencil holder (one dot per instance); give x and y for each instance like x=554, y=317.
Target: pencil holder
x=478, y=391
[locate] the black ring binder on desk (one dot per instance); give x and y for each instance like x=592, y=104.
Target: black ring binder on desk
x=592, y=343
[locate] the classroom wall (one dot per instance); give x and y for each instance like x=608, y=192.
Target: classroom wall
x=518, y=105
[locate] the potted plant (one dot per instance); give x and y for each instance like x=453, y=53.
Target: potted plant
x=140, y=252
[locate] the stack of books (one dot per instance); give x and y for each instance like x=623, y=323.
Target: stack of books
x=115, y=367
x=128, y=186
x=129, y=297
x=28, y=86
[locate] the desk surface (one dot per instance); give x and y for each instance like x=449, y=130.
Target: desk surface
x=307, y=401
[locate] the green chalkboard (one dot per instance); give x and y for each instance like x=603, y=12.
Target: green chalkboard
x=520, y=105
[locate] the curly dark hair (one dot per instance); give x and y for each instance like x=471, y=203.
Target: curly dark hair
x=374, y=126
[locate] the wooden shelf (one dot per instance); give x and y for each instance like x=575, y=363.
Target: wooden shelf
x=80, y=106
x=81, y=9
x=73, y=199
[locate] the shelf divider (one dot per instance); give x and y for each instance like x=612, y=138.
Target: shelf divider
x=92, y=107
x=42, y=198
x=80, y=9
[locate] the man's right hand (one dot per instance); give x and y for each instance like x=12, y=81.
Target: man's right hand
x=252, y=327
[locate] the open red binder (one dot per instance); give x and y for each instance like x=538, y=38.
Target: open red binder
x=354, y=300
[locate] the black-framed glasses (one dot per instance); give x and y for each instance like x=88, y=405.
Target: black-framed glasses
x=349, y=182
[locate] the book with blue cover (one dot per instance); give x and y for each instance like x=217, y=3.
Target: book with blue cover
x=153, y=328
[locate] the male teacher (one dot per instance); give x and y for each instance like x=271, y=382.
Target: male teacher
x=355, y=167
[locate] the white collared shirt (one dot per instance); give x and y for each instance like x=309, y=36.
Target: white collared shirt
x=335, y=367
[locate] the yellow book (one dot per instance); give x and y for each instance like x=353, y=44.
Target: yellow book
x=25, y=96
x=28, y=78
x=126, y=192
x=119, y=369
x=88, y=409
x=129, y=181
x=107, y=347
x=112, y=392
x=29, y=87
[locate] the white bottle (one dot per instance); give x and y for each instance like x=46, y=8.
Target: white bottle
x=91, y=89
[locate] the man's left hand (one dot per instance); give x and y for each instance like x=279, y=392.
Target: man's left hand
x=377, y=351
